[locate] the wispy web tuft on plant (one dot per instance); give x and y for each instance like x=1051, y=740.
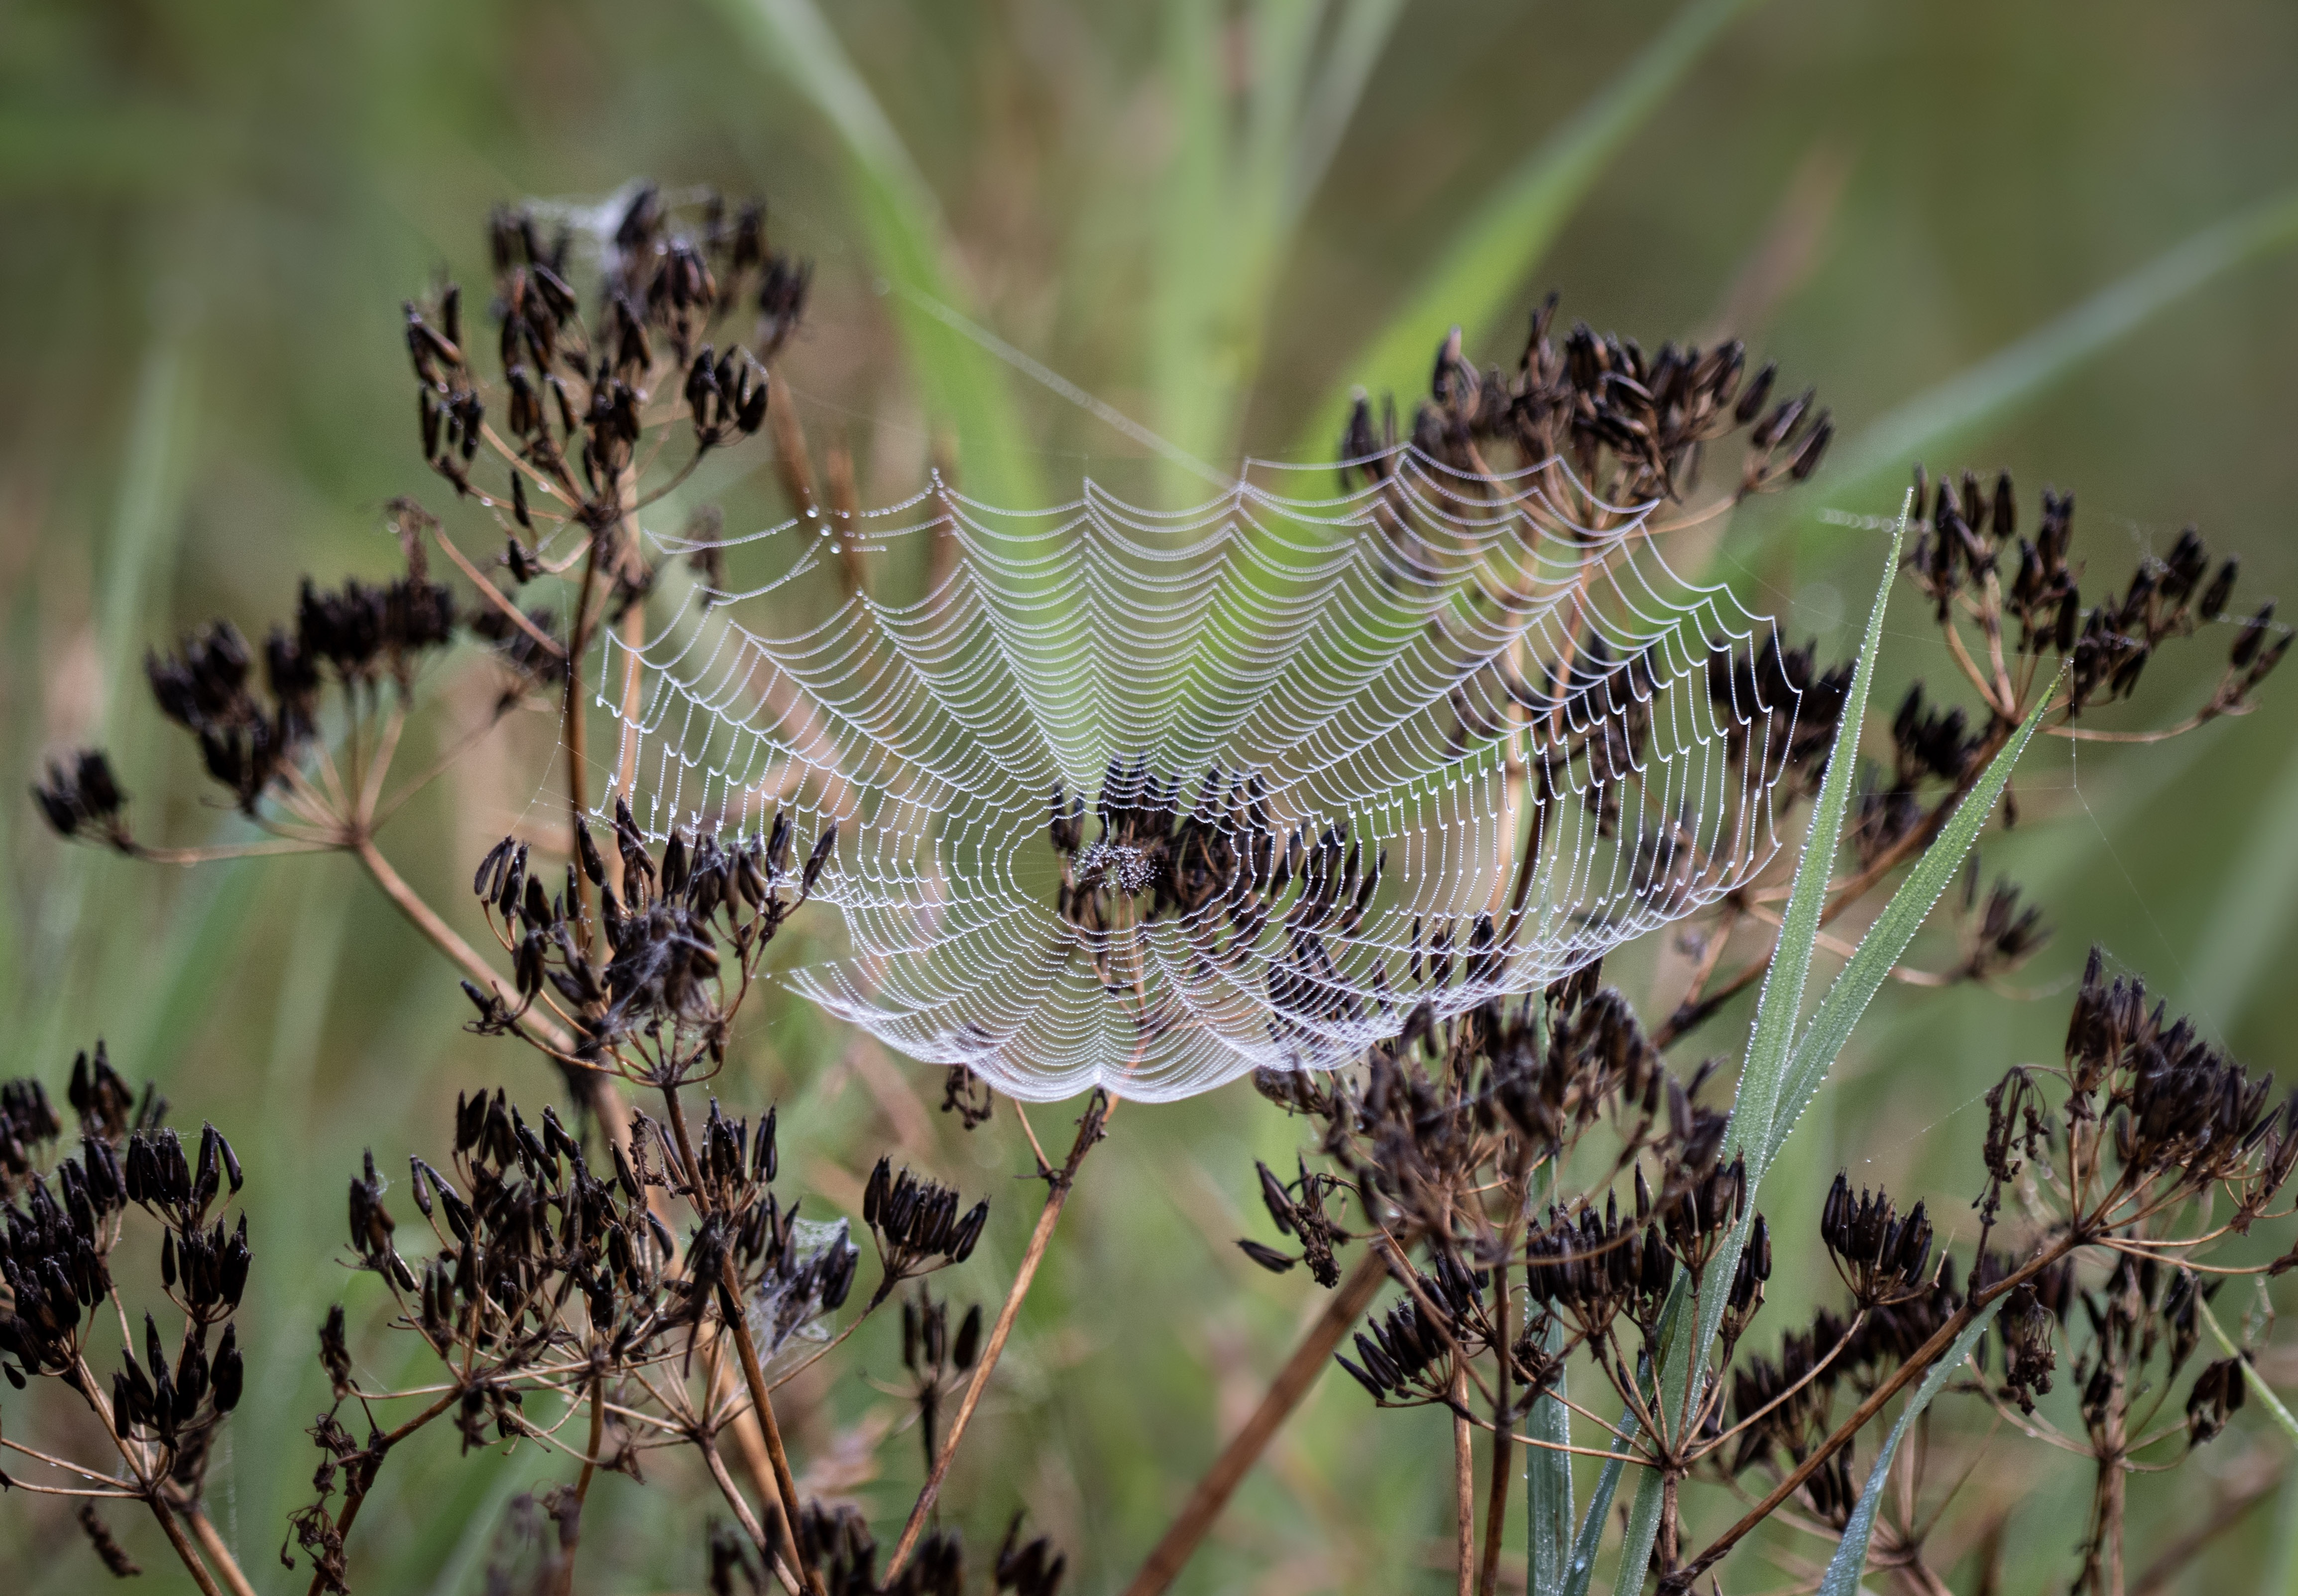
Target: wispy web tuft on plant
x=1148, y=800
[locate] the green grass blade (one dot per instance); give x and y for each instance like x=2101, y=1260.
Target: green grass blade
x=961, y=385
x=1584, y=1547
x=1870, y=963
x=1850, y=1558
x=1780, y=1004
x=1770, y=1043
x=1831, y=1022
x=1547, y=1474
x=1359, y=39
x=1476, y=284
x=1549, y=1480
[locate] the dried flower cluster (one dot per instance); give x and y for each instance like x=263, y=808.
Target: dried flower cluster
x=1631, y=427
x=62, y=1224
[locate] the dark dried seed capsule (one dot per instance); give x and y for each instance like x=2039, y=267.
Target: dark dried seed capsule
x=765, y=1160
x=2221, y=588
x=1267, y=1257
x=2252, y=635
x=824, y=846
x=594, y=865
x=969, y=1231
x=487, y=882
x=236, y=1261
x=874, y=1193
x=1751, y=400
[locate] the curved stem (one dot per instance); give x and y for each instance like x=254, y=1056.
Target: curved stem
x=1089, y=1132
x=182, y=1545
x=1219, y=1483
x=204, y=1530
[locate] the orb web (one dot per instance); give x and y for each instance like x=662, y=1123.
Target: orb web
x=1148, y=800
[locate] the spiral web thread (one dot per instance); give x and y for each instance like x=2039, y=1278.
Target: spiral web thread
x=1362, y=712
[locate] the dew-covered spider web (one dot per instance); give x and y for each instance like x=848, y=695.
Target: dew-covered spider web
x=1150, y=800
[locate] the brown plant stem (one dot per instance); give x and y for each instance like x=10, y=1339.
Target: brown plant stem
x=362, y=1475
x=2178, y=1557
x=598, y=1438
x=1503, y=1455
x=573, y=723
x=762, y=1405
x=598, y=1090
x=1464, y=1489
x=226, y=1566
x=1219, y=1483
x=744, y=1516
x=1059, y=1183
x=182, y=1545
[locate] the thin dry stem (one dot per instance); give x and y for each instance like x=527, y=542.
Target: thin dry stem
x=1059, y=1182
x=1218, y=1483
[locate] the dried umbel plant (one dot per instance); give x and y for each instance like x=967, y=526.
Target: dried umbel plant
x=551, y=1284
x=555, y=1283
x=303, y=733
x=1567, y=1193
x=1552, y=1139
x=63, y=1219
x=1545, y=1189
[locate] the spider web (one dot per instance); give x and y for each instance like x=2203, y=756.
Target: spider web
x=1427, y=742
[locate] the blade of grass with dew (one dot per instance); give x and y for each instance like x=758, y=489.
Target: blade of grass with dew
x=1475, y=283
x=1950, y=412
x=1823, y=1039
x=1589, y=1540
x=963, y=386
x=1779, y=1003
x=1838, y=1010
x=1769, y=1043
x=1870, y=965
x=1850, y=1558
x=1547, y=1474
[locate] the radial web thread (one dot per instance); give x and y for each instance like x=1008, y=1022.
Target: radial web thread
x=1303, y=747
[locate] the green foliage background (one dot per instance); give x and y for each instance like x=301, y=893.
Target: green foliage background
x=2053, y=236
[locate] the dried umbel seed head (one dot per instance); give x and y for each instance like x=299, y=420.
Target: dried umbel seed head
x=28, y=1123
x=1967, y=537
x=1881, y=1255
x=929, y=1350
x=1028, y=1567
x=2029, y=1347
x=1778, y=700
x=660, y=1004
x=1632, y=426
x=917, y=1224
x=1409, y=1356
x=574, y=395
x=81, y=798
x=60, y=1226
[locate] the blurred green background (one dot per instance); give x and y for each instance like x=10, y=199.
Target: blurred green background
x=2060, y=237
